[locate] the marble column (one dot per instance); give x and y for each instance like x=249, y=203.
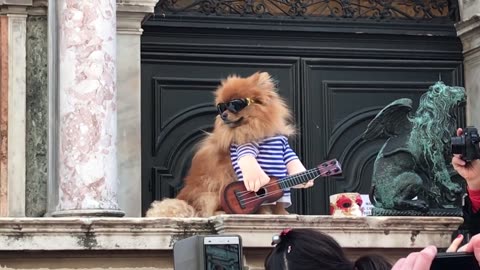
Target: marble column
x=87, y=157
x=12, y=106
x=130, y=14
x=3, y=114
x=469, y=32
x=36, y=110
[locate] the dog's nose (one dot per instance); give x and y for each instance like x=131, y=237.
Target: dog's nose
x=224, y=115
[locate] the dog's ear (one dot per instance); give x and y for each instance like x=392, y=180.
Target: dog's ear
x=263, y=80
x=231, y=76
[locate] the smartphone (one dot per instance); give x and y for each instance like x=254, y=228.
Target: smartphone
x=455, y=260
x=223, y=253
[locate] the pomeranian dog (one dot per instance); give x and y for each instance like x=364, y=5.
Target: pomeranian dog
x=239, y=121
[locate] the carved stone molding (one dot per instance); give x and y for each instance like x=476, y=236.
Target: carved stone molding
x=14, y=6
x=15, y=2
x=256, y=232
x=39, y=7
x=145, y=6
x=31, y=7
x=40, y=3
x=468, y=8
x=375, y=10
x=469, y=33
x=131, y=13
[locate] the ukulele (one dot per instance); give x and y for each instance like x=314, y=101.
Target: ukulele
x=236, y=199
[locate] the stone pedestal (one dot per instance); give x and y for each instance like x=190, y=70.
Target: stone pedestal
x=87, y=157
x=469, y=32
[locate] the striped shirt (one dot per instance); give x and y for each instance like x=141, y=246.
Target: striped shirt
x=272, y=154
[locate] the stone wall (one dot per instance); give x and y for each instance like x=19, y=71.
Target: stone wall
x=146, y=243
x=468, y=30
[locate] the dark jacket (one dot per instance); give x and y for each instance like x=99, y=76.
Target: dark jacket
x=471, y=222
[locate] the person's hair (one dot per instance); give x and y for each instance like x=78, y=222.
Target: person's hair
x=306, y=249
x=372, y=262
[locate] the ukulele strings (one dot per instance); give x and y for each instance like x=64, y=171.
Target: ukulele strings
x=274, y=183
x=273, y=193
x=246, y=193
x=322, y=170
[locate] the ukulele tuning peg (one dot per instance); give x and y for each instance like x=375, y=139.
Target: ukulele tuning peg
x=336, y=170
x=328, y=173
x=324, y=165
x=333, y=162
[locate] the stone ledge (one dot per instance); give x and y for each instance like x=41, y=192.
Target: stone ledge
x=14, y=6
x=142, y=6
x=469, y=32
x=131, y=13
x=97, y=233
x=16, y=2
x=50, y=234
x=468, y=8
x=363, y=232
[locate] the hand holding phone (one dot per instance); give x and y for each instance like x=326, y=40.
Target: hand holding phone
x=455, y=260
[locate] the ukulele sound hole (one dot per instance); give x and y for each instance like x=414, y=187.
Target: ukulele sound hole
x=261, y=192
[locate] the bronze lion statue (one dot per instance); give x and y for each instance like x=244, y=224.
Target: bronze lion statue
x=412, y=171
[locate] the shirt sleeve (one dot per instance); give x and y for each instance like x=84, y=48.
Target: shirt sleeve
x=288, y=154
x=474, y=196
x=248, y=149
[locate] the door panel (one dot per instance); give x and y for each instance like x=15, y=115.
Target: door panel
x=178, y=108
x=335, y=75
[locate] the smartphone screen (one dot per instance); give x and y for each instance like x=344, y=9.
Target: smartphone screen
x=455, y=260
x=222, y=253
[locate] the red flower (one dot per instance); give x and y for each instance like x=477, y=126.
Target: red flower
x=359, y=200
x=344, y=202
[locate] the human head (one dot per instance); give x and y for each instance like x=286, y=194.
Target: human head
x=306, y=249
x=372, y=262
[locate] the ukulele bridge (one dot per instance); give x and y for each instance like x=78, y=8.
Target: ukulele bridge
x=239, y=199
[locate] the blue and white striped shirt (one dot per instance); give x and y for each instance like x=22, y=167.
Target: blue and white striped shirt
x=273, y=154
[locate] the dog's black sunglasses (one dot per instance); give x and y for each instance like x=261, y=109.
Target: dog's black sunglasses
x=234, y=105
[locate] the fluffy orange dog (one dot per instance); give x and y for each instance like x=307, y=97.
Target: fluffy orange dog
x=250, y=110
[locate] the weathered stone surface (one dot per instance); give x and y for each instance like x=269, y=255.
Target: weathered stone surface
x=469, y=32
x=37, y=116
x=357, y=232
x=130, y=14
x=468, y=9
x=98, y=233
x=146, y=243
x=255, y=230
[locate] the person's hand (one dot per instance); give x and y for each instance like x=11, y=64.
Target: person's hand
x=253, y=176
x=304, y=185
x=417, y=260
x=474, y=246
x=455, y=244
x=296, y=167
x=470, y=171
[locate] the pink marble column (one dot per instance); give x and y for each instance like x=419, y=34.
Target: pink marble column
x=87, y=164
